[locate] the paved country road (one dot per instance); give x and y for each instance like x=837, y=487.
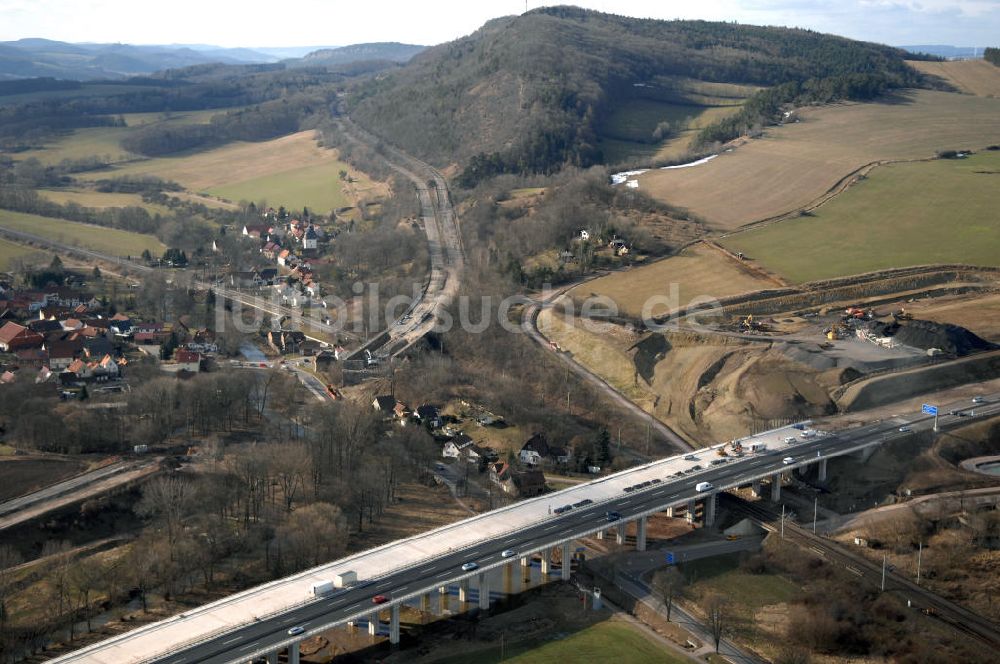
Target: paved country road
x=530, y=325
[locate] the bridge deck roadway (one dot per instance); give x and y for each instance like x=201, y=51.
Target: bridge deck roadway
x=256, y=621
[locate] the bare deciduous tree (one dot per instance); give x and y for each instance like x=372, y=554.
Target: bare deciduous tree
x=716, y=616
x=669, y=584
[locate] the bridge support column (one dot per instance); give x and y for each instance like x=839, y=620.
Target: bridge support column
x=443, y=590
x=484, y=592
x=600, y=534
x=692, y=506
x=525, y=561
x=710, y=504
x=293, y=653
x=508, y=579
x=567, y=562
x=394, y=624
x=272, y=658
x=640, y=534
x=866, y=453
x=775, y=487
x=425, y=603
x=620, y=533
x=463, y=591
x=670, y=512
x=755, y=488
x=821, y=471
x=373, y=624
x=546, y=559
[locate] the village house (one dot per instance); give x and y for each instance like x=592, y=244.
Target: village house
x=285, y=341
x=537, y=450
x=385, y=404
x=14, y=337
x=428, y=416
x=62, y=353
x=187, y=360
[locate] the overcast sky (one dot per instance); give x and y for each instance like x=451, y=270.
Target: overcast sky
x=339, y=22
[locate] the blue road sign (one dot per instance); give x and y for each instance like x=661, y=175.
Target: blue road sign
x=670, y=557
x=929, y=409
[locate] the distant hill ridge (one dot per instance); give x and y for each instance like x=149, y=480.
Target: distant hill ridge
x=528, y=93
x=386, y=51
x=35, y=57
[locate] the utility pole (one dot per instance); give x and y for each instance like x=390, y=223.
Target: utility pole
x=815, y=511
x=883, y=572
x=920, y=550
x=782, y=521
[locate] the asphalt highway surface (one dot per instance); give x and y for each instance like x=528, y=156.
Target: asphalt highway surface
x=272, y=633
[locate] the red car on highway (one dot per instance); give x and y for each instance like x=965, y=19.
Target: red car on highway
x=379, y=599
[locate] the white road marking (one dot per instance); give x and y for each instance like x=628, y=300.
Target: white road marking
x=428, y=569
x=226, y=643
x=249, y=645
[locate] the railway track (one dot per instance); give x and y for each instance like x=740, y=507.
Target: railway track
x=933, y=605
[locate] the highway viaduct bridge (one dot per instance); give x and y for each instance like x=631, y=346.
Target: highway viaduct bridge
x=256, y=622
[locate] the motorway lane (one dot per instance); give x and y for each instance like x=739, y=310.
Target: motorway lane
x=271, y=633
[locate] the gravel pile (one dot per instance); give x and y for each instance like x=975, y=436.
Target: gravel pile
x=925, y=334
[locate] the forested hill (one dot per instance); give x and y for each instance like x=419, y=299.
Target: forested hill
x=528, y=93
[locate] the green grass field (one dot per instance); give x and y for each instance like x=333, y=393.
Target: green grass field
x=97, y=199
x=316, y=187
x=942, y=211
x=106, y=141
x=9, y=250
x=721, y=574
x=107, y=240
x=602, y=642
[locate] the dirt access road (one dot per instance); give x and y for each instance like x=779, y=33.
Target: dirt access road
x=73, y=490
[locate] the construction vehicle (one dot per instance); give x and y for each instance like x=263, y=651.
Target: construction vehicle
x=902, y=315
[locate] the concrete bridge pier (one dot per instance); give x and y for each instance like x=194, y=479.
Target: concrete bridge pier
x=821, y=471
x=525, y=561
x=394, y=624
x=755, y=488
x=463, y=591
x=567, y=562
x=620, y=534
x=689, y=515
x=866, y=453
x=775, y=487
x=373, y=623
x=425, y=603
x=546, y=560
x=293, y=653
x=710, y=504
x=272, y=657
x=484, y=592
x=600, y=534
x=640, y=534
x=508, y=579
x=670, y=512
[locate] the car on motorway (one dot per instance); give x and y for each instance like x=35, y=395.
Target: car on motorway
x=690, y=457
x=788, y=461
x=613, y=516
x=629, y=489
x=905, y=429
x=583, y=503
x=509, y=553
x=789, y=439
x=295, y=631
x=695, y=467
x=655, y=480
x=468, y=567
x=978, y=399
x=379, y=599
